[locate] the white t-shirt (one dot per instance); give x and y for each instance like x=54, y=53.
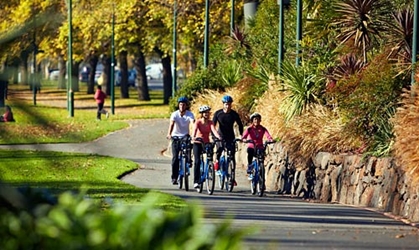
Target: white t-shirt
x=181, y=127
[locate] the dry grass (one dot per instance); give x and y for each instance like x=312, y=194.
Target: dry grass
x=319, y=129
x=406, y=131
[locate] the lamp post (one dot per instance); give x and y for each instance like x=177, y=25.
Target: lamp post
x=174, y=79
x=113, y=62
x=414, y=40
x=299, y=35
x=281, y=35
x=206, y=35
x=70, y=94
x=232, y=14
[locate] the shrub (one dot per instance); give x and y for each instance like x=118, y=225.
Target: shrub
x=75, y=222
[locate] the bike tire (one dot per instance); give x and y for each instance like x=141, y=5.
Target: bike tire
x=182, y=165
x=261, y=180
x=253, y=181
x=230, y=176
x=221, y=178
x=210, y=178
x=201, y=178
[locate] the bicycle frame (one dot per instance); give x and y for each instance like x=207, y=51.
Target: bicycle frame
x=257, y=178
x=227, y=166
x=207, y=168
x=184, y=163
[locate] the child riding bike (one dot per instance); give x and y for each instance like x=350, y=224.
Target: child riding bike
x=256, y=133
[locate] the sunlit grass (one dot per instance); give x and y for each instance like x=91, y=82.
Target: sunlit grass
x=49, y=120
x=60, y=172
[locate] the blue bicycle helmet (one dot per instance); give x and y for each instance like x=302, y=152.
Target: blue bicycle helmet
x=227, y=98
x=182, y=99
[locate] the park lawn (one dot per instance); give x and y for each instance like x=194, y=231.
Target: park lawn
x=49, y=122
x=60, y=172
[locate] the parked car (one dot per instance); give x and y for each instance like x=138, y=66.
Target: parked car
x=54, y=74
x=155, y=71
x=84, y=74
x=132, y=75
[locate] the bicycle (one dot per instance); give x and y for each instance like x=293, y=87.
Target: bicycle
x=207, y=168
x=257, y=177
x=227, y=166
x=184, y=162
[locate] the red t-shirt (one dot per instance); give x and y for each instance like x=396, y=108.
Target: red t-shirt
x=100, y=96
x=256, y=133
x=203, y=130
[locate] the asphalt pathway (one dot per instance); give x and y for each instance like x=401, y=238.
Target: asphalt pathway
x=281, y=222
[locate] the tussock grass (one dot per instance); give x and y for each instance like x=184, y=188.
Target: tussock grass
x=406, y=144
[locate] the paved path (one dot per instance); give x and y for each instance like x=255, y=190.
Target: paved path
x=284, y=223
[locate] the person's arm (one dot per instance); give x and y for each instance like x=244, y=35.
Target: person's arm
x=195, y=130
x=239, y=123
x=245, y=134
x=268, y=135
x=215, y=118
x=215, y=132
x=171, y=126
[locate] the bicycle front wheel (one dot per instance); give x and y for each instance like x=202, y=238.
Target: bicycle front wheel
x=221, y=176
x=210, y=178
x=261, y=180
x=254, y=180
x=230, y=176
x=201, y=178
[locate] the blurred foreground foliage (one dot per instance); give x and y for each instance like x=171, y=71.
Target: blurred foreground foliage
x=34, y=219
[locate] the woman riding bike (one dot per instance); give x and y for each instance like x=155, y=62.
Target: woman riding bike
x=256, y=133
x=202, y=129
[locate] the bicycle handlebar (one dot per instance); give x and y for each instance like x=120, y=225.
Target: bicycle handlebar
x=265, y=144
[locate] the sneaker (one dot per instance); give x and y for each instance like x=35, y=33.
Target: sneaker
x=249, y=169
x=196, y=185
x=250, y=177
x=174, y=182
x=218, y=172
x=107, y=115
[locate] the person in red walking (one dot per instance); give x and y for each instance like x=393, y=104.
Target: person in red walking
x=100, y=97
x=8, y=115
x=256, y=133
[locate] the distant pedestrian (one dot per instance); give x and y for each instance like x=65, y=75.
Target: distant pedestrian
x=8, y=115
x=100, y=97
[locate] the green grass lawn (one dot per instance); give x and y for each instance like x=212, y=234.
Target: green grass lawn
x=60, y=172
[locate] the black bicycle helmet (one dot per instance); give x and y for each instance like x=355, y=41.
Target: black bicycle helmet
x=254, y=115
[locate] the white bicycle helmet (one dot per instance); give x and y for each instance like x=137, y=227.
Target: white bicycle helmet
x=204, y=108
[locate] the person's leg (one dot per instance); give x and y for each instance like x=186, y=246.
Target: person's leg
x=197, y=150
x=99, y=110
x=175, y=160
x=250, y=154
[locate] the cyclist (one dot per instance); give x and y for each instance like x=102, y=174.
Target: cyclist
x=256, y=133
x=225, y=118
x=180, y=121
x=202, y=129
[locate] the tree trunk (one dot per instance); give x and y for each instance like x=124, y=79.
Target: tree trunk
x=139, y=62
x=106, y=86
x=24, y=67
x=92, y=60
x=123, y=71
x=63, y=71
x=167, y=75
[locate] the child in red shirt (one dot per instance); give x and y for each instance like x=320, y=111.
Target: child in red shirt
x=8, y=115
x=100, y=97
x=256, y=133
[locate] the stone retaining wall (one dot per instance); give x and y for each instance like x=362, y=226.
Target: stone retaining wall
x=346, y=179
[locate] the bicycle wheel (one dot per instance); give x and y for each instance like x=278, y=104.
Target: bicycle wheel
x=201, y=178
x=261, y=180
x=230, y=176
x=182, y=172
x=221, y=177
x=210, y=178
x=253, y=181
x=186, y=176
